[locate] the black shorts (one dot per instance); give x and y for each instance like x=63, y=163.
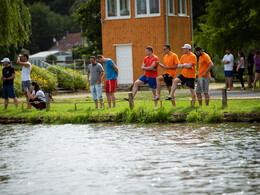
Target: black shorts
x=167, y=79
x=257, y=71
x=250, y=70
x=190, y=82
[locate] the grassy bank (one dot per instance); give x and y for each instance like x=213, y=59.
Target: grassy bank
x=144, y=112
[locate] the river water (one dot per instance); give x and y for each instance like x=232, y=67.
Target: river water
x=130, y=159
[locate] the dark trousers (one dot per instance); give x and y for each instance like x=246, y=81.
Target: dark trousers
x=240, y=75
x=38, y=104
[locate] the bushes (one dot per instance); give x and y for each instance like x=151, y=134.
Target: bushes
x=47, y=81
x=208, y=117
x=66, y=81
x=218, y=69
x=143, y=115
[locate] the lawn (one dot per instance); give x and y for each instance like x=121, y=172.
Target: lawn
x=63, y=109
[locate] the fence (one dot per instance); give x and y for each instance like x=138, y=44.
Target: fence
x=130, y=100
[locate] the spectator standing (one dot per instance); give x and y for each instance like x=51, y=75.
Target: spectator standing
x=111, y=82
x=250, y=67
x=150, y=67
x=95, y=72
x=171, y=62
x=188, y=63
x=37, y=97
x=26, y=72
x=205, y=66
x=241, y=68
x=8, y=76
x=228, y=61
x=257, y=69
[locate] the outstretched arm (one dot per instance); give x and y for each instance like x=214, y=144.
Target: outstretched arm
x=167, y=67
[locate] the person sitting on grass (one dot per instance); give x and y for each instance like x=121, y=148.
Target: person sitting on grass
x=37, y=97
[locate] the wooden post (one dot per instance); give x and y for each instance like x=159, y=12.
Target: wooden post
x=22, y=106
x=161, y=103
x=224, y=97
x=84, y=65
x=131, y=102
x=47, y=98
x=76, y=106
x=104, y=105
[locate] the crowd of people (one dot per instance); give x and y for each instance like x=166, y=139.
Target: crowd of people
x=171, y=62
x=150, y=65
x=239, y=68
x=36, y=98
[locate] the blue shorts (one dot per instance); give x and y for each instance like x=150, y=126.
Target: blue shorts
x=150, y=81
x=229, y=73
x=8, y=90
x=26, y=84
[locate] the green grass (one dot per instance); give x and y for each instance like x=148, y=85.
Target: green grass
x=144, y=111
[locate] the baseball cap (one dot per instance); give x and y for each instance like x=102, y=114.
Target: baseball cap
x=198, y=48
x=6, y=60
x=186, y=46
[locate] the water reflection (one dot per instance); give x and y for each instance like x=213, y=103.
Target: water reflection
x=134, y=159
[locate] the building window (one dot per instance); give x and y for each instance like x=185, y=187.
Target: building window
x=117, y=9
x=171, y=7
x=182, y=7
x=147, y=8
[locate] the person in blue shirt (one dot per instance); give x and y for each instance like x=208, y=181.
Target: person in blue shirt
x=111, y=71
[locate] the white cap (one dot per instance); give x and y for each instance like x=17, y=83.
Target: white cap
x=6, y=60
x=186, y=46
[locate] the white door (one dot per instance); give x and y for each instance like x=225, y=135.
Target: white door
x=124, y=62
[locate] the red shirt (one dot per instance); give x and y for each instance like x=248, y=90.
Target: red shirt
x=148, y=62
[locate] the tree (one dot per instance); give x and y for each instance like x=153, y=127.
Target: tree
x=229, y=25
x=88, y=15
x=47, y=25
x=52, y=57
x=15, y=23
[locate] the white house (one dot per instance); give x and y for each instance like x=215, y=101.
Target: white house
x=41, y=56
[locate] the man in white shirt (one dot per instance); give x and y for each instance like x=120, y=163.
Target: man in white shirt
x=228, y=61
x=26, y=72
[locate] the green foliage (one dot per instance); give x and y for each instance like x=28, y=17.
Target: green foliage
x=206, y=117
x=143, y=115
x=52, y=57
x=47, y=24
x=218, y=69
x=229, y=25
x=66, y=81
x=15, y=23
x=88, y=15
x=47, y=81
x=63, y=118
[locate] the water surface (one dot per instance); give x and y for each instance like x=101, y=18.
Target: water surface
x=130, y=159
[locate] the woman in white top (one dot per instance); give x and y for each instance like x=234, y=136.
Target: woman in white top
x=241, y=68
x=37, y=97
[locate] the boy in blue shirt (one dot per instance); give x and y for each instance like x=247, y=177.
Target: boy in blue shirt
x=111, y=82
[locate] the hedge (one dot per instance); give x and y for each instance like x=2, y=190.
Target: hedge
x=66, y=81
